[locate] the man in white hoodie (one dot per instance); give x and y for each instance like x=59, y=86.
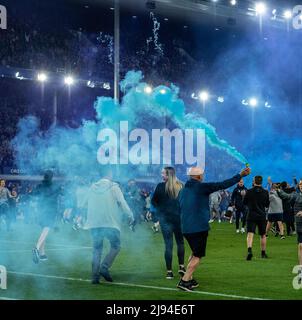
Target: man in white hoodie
x=106, y=208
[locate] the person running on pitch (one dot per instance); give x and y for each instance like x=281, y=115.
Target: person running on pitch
x=195, y=216
x=106, y=209
x=47, y=194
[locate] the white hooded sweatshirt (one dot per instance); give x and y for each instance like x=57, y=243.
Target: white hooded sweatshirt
x=106, y=206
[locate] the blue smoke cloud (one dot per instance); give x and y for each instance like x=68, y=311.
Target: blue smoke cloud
x=74, y=151
x=251, y=66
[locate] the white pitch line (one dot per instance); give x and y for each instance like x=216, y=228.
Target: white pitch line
x=29, y=250
x=136, y=286
x=51, y=244
x=6, y=298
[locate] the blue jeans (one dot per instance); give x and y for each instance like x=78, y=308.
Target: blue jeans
x=168, y=229
x=98, y=236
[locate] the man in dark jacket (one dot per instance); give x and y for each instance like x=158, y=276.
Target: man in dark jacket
x=288, y=210
x=257, y=200
x=237, y=203
x=195, y=216
x=296, y=200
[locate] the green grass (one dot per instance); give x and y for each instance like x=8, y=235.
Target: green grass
x=224, y=271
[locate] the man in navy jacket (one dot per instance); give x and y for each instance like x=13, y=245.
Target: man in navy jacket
x=195, y=216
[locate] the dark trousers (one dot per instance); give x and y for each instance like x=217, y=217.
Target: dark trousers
x=98, y=236
x=240, y=213
x=290, y=227
x=168, y=229
x=289, y=220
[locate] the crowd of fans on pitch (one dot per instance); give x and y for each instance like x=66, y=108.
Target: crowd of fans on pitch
x=225, y=205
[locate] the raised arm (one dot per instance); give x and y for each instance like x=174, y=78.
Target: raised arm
x=267, y=200
x=269, y=183
x=287, y=196
x=212, y=187
x=295, y=182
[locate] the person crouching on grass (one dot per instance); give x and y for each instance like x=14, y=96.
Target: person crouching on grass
x=195, y=216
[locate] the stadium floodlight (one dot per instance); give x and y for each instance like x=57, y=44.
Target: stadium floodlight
x=220, y=99
x=90, y=84
x=148, y=89
x=260, y=8
x=107, y=86
x=253, y=102
x=42, y=77
x=18, y=76
x=203, y=96
x=233, y=2
x=287, y=14
x=163, y=91
x=69, y=80
x=267, y=105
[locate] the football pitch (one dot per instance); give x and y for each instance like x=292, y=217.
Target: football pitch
x=139, y=270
